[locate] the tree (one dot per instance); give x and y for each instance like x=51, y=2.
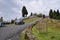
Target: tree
x=12, y=21
x=55, y=14
x=24, y=12
x=40, y=15
x=51, y=13
x=43, y=16
x=31, y=14
x=35, y=14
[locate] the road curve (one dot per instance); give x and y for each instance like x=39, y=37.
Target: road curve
x=8, y=32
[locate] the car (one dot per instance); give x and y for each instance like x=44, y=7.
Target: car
x=19, y=21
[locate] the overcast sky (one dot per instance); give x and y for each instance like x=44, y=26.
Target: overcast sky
x=11, y=9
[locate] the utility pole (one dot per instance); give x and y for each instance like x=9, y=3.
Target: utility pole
x=1, y=21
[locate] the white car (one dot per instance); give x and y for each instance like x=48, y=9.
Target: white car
x=19, y=21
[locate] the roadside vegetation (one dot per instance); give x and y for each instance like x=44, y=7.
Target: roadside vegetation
x=47, y=30
x=30, y=19
x=27, y=20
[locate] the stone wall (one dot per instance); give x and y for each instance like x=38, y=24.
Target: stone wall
x=29, y=35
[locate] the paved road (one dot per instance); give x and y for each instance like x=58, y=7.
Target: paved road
x=7, y=32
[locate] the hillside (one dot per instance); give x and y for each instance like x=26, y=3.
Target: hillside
x=45, y=29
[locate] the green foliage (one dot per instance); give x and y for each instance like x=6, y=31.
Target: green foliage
x=43, y=16
x=24, y=12
x=12, y=21
x=52, y=34
x=54, y=14
x=40, y=15
x=51, y=13
x=31, y=14
x=35, y=14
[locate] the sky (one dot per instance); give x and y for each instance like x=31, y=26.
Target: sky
x=11, y=9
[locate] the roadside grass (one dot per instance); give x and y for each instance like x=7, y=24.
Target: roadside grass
x=22, y=37
x=53, y=32
x=30, y=19
x=27, y=21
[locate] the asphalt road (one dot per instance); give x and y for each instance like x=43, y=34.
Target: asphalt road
x=9, y=31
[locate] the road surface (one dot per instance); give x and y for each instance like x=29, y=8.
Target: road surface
x=8, y=32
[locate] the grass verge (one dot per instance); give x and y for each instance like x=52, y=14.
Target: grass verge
x=52, y=34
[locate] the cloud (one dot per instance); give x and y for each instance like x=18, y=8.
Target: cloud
x=42, y=6
x=11, y=9
x=34, y=6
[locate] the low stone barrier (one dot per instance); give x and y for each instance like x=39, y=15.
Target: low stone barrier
x=28, y=33
x=29, y=36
